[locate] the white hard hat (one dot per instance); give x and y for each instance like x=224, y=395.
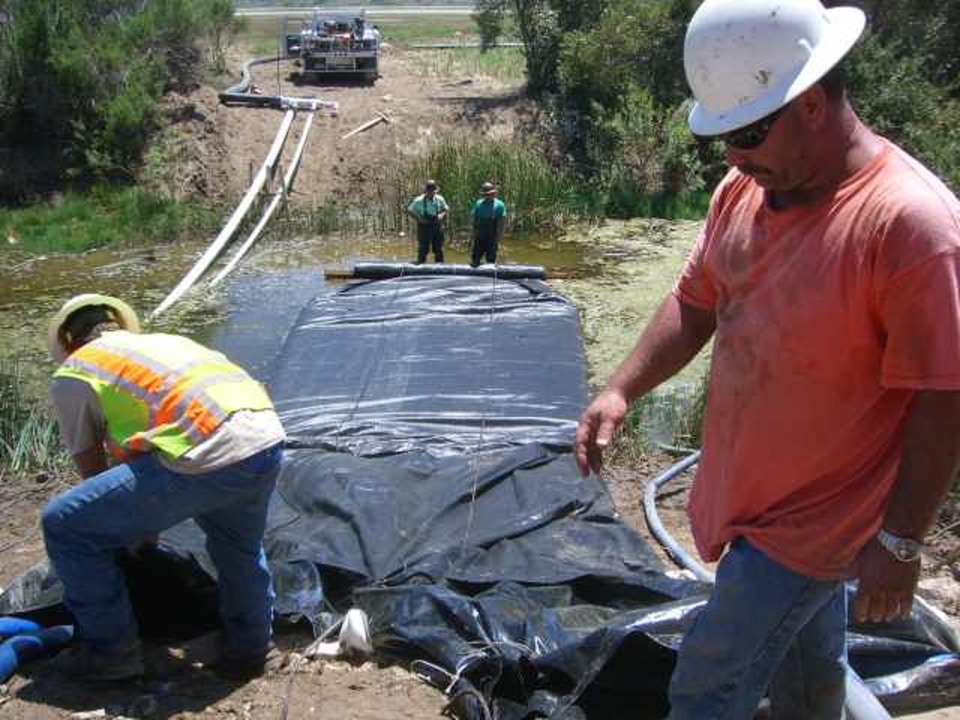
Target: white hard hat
x=745, y=59
x=127, y=317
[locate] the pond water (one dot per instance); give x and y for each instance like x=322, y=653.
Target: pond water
x=616, y=272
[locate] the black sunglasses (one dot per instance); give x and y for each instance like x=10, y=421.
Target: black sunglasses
x=753, y=135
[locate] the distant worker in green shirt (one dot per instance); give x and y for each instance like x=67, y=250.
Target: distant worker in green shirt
x=489, y=218
x=429, y=210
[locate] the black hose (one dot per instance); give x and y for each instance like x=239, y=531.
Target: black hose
x=380, y=271
x=239, y=94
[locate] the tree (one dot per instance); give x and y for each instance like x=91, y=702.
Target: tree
x=222, y=27
x=79, y=79
x=488, y=14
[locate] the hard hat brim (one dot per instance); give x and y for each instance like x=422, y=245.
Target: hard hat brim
x=128, y=319
x=845, y=27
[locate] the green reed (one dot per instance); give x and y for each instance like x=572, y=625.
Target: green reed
x=668, y=417
x=538, y=195
x=29, y=440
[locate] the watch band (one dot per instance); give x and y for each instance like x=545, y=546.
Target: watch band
x=903, y=549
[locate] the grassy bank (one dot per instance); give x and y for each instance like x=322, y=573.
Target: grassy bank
x=104, y=216
x=540, y=198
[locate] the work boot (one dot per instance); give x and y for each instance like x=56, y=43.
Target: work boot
x=244, y=666
x=80, y=661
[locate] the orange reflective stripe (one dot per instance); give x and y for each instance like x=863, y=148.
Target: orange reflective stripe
x=169, y=397
x=144, y=383
x=162, y=392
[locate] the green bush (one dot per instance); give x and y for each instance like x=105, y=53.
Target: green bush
x=893, y=95
x=647, y=160
x=81, y=79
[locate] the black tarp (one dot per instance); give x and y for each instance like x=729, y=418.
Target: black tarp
x=428, y=481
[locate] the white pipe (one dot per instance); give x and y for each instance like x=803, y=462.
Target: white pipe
x=274, y=204
x=227, y=232
x=860, y=704
x=673, y=548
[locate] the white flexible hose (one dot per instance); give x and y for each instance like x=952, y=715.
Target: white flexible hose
x=233, y=223
x=860, y=704
x=271, y=208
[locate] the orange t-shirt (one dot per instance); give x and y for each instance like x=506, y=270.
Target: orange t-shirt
x=829, y=318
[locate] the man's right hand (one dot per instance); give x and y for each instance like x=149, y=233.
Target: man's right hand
x=596, y=428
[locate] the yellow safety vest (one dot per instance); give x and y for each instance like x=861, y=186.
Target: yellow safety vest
x=161, y=392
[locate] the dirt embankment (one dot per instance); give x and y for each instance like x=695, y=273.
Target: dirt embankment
x=209, y=151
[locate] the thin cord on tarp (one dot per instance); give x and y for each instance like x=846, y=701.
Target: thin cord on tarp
x=371, y=368
x=475, y=459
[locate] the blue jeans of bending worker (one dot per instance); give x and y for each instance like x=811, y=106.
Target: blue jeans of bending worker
x=85, y=528
x=763, y=628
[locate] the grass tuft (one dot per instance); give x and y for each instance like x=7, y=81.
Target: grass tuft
x=503, y=64
x=29, y=440
x=670, y=418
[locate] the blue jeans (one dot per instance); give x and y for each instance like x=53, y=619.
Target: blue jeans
x=764, y=627
x=85, y=528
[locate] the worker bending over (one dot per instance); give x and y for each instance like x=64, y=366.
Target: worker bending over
x=827, y=273
x=194, y=436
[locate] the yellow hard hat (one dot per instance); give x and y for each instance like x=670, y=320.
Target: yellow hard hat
x=126, y=316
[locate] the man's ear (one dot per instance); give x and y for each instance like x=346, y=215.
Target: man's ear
x=813, y=106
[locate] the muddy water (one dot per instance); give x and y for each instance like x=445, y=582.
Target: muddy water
x=615, y=272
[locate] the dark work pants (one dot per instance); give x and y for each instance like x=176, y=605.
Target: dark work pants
x=484, y=242
x=429, y=236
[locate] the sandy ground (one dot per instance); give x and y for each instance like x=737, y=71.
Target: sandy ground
x=210, y=150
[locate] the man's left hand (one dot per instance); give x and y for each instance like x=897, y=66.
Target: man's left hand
x=886, y=585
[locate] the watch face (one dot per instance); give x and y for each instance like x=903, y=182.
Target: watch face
x=903, y=549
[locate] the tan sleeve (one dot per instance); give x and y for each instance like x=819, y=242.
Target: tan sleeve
x=78, y=412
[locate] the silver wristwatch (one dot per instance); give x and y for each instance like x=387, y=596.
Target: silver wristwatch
x=903, y=549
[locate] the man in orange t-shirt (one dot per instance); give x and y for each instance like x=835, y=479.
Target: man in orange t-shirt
x=828, y=273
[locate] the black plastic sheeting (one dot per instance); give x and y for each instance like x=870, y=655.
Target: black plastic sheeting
x=454, y=364
x=429, y=482
x=381, y=271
